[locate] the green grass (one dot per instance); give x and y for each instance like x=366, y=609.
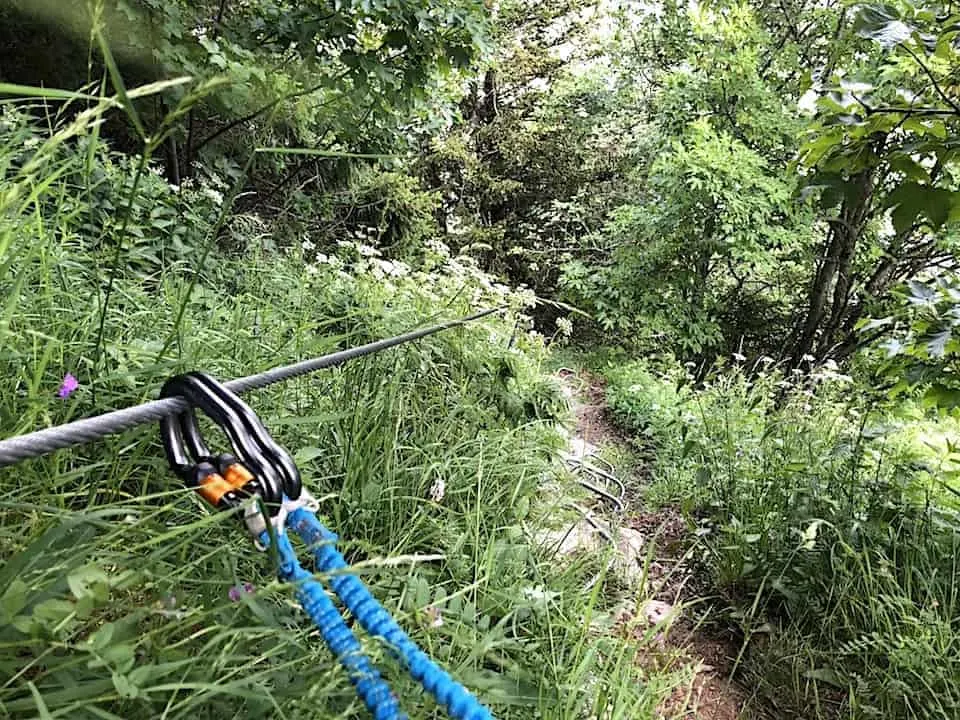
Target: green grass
x=824, y=528
x=115, y=579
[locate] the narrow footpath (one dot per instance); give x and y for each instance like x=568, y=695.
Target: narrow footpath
x=685, y=641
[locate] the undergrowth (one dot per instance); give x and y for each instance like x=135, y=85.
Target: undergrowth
x=122, y=596
x=832, y=538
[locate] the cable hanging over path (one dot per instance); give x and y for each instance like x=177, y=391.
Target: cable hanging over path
x=41, y=442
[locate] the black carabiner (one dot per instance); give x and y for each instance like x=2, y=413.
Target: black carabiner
x=274, y=455
x=261, y=467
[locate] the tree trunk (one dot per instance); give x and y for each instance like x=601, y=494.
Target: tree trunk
x=832, y=282
x=855, y=217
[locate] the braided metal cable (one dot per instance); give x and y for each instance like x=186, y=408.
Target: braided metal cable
x=79, y=432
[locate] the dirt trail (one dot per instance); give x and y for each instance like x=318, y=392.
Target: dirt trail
x=684, y=644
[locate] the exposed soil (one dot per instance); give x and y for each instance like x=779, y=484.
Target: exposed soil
x=684, y=642
x=588, y=403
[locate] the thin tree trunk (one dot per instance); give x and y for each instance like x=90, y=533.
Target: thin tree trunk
x=833, y=280
x=854, y=219
x=819, y=290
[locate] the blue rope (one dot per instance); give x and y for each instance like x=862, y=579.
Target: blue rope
x=460, y=704
x=374, y=691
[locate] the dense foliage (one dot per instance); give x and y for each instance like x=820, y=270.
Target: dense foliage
x=752, y=207
x=827, y=523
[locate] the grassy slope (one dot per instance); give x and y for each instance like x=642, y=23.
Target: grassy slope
x=115, y=584
x=822, y=522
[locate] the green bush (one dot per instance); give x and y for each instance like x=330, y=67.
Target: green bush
x=647, y=401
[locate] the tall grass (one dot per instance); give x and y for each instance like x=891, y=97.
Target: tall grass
x=824, y=530
x=115, y=589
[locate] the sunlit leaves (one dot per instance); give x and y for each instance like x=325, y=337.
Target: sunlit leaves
x=883, y=24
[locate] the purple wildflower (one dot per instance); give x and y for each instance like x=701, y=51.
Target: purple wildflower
x=238, y=591
x=69, y=384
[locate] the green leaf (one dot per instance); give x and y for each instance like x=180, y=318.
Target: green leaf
x=13, y=600
x=89, y=581
x=124, y=687
x=882, y=24
x=913, y=203
x=120, y=656
x=395, y=39
x=52, y=612
x=155, y=88
x=891, y=347
x=942, y=396
x=306, y=454
x=827, y=675
x=874, y=323
x=910, y=168
x=116, y=78
x=937, y=345
x=920, y=293
x=45, y=93
x=42, y=711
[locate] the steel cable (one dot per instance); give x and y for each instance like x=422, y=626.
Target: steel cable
x=41, y=442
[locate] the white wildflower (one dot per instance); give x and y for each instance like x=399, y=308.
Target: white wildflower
x=308, y=245
x=565, y=326
x=538, y=594
x=322, y=259
x=367, y=250
x=440, y=248
x=392, y=268
x=438, y=490
x=214, y=195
